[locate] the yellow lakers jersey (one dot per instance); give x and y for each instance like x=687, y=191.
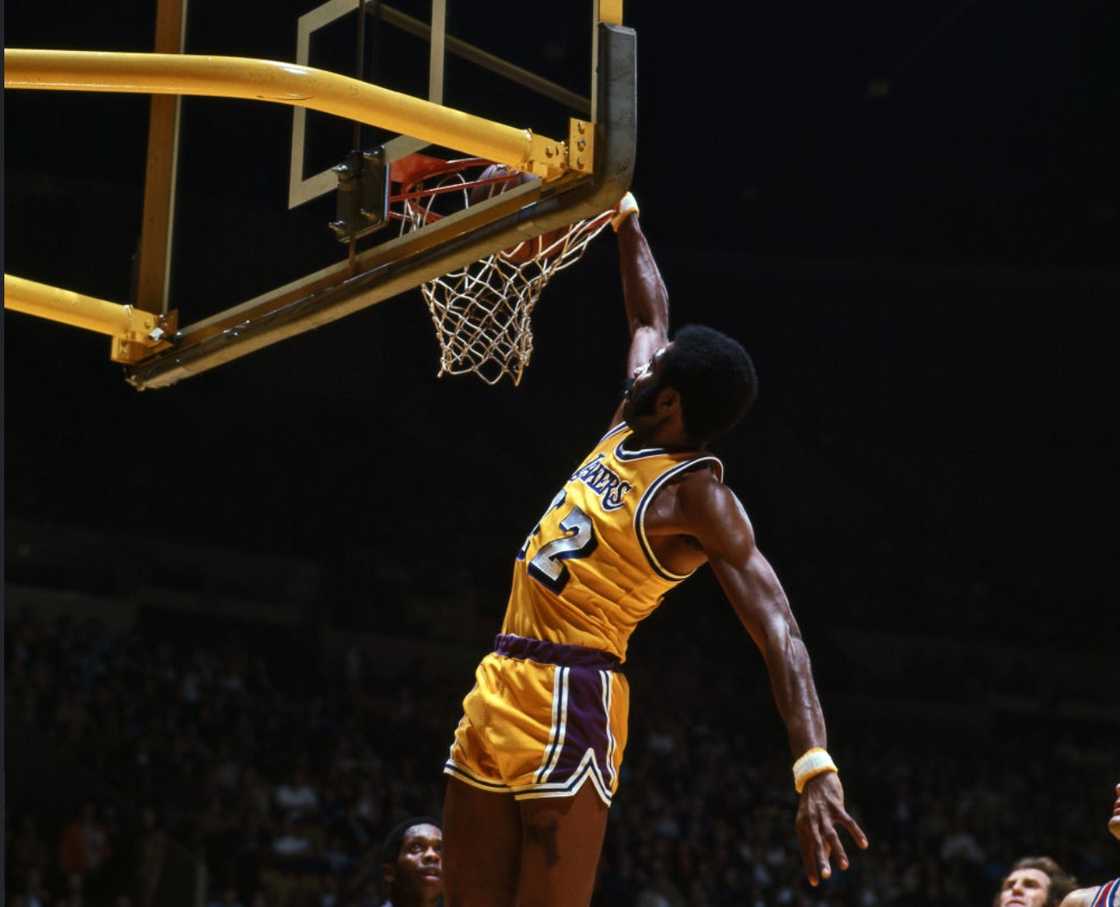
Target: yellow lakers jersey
x=587, y=574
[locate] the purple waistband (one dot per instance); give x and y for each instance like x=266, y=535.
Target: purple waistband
x=554, y=653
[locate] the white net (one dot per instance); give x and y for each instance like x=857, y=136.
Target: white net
x=482, y=312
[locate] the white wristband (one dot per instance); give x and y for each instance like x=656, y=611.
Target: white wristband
x=814, y=762
x=627, y=206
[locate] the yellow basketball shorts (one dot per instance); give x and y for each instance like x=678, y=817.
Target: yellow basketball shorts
x=543, y=719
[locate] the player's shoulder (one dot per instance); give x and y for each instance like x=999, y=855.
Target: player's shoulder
x=703, y=478
x=1107, y=895
x=702, y=495
x=1082, y=897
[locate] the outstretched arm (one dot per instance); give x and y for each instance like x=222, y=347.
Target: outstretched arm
x=710, y=512
x=643, y=291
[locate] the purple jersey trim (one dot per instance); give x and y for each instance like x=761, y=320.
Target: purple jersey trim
x=554, y=653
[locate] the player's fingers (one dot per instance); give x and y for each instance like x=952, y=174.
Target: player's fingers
x=836, y=847
x=808, y=853
x=853, y=829
x=822, y=850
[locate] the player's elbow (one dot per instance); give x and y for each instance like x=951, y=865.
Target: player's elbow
x=653, y=324
x=782, y=640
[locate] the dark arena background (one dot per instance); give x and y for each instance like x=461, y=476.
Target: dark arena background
x=272, y=581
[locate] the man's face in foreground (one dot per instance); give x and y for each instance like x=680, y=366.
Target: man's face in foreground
x=1025, y=888
x=419, y=866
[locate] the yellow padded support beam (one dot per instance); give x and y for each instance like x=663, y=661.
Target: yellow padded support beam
x=284, y=83
x=68, y=307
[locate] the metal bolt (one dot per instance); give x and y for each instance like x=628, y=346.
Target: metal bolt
x=581, y=144
x=548, y=152
x=580, y=128
x=579, y=162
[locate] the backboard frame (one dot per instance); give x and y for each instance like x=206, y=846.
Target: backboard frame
x=574, y=181
x=403, y=263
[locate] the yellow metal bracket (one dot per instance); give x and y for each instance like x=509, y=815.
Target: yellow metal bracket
x=135, y=333
x=548, y=158
x=581, y=146
x=609, y=11
x=157, y=340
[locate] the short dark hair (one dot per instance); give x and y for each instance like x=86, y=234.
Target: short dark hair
x=715, y=378
x=1061, y=883
x=391, y=849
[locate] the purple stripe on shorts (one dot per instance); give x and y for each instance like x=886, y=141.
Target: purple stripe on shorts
x=554, y=653
x=588, y=725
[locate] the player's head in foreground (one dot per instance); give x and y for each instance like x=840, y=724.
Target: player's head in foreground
x=412, y=859
x=1114, y=822
x=1109, y=893
x=1035, y=882
x=700, y=385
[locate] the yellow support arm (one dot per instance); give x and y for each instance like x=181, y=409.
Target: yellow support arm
x=285, y=83
x=120, y=321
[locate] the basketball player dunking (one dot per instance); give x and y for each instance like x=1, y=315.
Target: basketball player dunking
x=536, y=756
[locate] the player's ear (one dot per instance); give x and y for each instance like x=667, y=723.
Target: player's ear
x=667, y=400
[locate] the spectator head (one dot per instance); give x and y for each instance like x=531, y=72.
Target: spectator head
x=412, y=860
x=1035, y=882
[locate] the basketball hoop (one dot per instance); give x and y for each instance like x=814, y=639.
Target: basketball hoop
x=482, y=312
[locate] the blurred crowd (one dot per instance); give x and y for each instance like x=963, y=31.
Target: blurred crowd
x=137, y=757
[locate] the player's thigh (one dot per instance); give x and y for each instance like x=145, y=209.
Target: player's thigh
x=562, y=838
x=481, y=847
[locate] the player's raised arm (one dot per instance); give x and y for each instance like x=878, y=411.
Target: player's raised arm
x=710, y=512
x=643, y=291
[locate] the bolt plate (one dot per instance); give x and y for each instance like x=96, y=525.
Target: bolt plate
x=581, y=146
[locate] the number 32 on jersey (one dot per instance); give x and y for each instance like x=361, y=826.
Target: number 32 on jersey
x=578, y=540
